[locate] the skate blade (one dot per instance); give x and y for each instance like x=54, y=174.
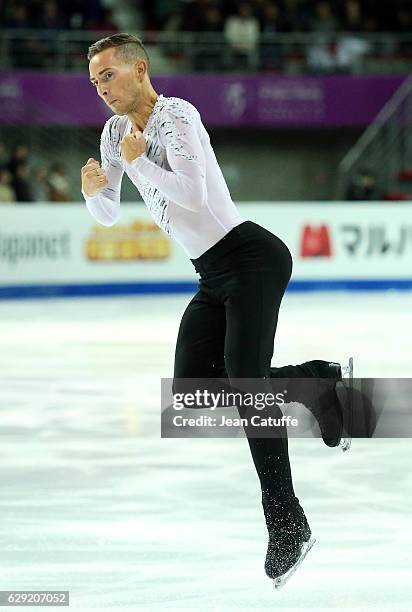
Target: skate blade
x=280, y=582
x=347, y=380
x=345, y=444
x=347, y=371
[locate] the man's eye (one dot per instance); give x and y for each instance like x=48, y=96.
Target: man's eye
x=108, y=75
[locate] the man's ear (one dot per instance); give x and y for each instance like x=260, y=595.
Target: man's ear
x=141, y=68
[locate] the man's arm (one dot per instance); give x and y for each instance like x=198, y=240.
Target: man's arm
x=101, y=186
x=185, y=183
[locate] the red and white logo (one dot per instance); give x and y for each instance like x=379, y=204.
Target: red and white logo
x=315, y=241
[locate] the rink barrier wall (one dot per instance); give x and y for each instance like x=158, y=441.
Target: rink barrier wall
x=58, y=250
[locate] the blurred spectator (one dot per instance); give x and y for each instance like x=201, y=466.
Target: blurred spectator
x=208, y=55
x=323, y=20
x=404, y=19
x=241, y=24
x=40, y=186
x=351, y=46
x=51, y=19
x=4, y=158
x=6, y=191
x=52, y=22
x=105, y=23
x=321, y=57
x=21, y=183
x=352, y=16
x=270, y=52
x=18, y=17
x=242, y=33
x=212, y=19
x=59, y=186
x=363, y=187
x=26, y=51
x=351, y=50
x=19, y=155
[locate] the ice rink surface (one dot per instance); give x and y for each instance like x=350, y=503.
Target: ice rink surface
x=95, y=502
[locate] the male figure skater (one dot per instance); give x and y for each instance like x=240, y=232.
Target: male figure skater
x=229, y=326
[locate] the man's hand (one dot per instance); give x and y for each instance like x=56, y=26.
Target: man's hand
x=133, y=146
x=93, y=178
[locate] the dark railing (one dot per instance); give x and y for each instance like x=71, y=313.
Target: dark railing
x=175, y=52
x=385, y=148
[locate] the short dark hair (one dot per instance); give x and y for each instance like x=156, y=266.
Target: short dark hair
x=129, y=47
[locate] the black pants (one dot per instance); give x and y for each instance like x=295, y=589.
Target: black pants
x=228, y=330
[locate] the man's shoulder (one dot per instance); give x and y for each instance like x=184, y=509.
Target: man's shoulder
x=113, y=126
x=112, y=135
x=178, y=107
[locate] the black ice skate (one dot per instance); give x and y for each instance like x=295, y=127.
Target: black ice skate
x=334, y=410
x=290, y=540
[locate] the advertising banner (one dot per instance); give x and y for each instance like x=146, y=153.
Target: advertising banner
x=223, y=100
x=61, y=249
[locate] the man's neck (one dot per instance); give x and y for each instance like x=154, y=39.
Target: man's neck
x=139, y=118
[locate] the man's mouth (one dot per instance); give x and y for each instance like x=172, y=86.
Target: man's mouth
x=112, y=102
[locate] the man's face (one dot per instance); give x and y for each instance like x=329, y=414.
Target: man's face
x=116, y=82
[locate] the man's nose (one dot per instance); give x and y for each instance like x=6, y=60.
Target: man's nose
x=102, y=90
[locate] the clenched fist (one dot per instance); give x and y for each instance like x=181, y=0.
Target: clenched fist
x=133, y=146
x=93, y=178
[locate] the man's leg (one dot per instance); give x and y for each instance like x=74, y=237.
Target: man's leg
x=200, y=340
x=209, y=330
x=251, y=320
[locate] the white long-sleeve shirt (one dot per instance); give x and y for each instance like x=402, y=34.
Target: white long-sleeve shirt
x=178, y=177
